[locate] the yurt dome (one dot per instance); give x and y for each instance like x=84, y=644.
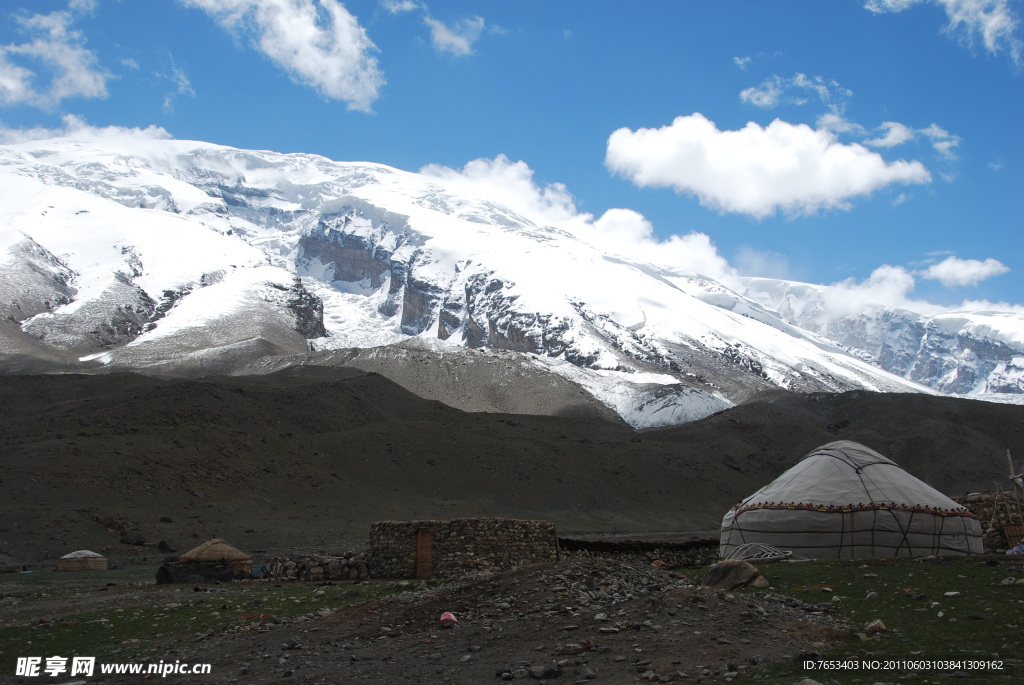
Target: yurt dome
x=846, y=501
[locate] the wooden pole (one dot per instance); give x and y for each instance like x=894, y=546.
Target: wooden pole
x=1013, y=486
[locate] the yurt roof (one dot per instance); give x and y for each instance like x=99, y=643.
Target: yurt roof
x=215, y=550
x=81, y=554
x=845, y=473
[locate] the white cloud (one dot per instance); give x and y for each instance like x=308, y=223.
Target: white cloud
x=891, y=286
x=55, y=52
x=402, y=6
x=83, y=6
x=317, y=42
x=942, y=140
x=778, y=90
x=953, y=271
x=887, y=285
x=765, y=96
x=509, y=184
x=623, y=232
x=182, y=86
x=991, y=21
x=457, y=39
x=762, y=263
x=77, y=127
x=742, y=62
x=895, y=134
x=755, y=170
x=837, y=123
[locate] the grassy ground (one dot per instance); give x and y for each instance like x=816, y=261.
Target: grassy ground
x=984, y=622
x=124, y=616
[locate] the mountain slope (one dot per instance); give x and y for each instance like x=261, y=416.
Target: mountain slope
x=309, y=457
x=186, y=258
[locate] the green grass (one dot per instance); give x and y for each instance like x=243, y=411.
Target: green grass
x=145, y=619
x=985, y=622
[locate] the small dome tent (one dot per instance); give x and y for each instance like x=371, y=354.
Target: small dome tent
x=846, y=501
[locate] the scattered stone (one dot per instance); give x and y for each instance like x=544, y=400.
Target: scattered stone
x=133, y=538
x=875, y=626
x=544, y=672
x=872, y=595
x=951, y=594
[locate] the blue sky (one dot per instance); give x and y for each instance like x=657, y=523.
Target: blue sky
x=875, y=143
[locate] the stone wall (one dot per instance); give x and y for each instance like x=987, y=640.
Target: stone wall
x=459, y=547
x=994, y=510
x=692, y=553
x=350, y=566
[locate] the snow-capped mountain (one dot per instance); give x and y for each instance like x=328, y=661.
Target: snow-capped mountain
x=972, y=353
x=167, y=256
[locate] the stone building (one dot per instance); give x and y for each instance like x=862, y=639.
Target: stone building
x=458, y=547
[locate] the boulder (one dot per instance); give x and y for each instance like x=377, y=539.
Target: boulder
x=728, y=575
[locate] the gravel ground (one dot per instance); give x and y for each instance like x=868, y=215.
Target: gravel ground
x=580, y=620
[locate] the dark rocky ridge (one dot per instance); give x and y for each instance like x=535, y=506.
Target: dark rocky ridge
x=308, y=457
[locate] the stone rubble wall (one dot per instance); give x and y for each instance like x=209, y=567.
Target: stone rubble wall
x=461, y=547
x=994, y=510
x=689, y=554
x=350, y=566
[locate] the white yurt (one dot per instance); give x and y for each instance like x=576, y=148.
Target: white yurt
x=82, y=560
x=846, y=501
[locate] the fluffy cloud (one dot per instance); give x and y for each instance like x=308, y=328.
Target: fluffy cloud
x=55, y=51
x=317, y=42
x=887, y=285
x=755, y=170
x=624, y=232
x=991, y=21
x=895, y=134
x=953, y=271
x=457, y=39
x=891, y=286
x=78, y=128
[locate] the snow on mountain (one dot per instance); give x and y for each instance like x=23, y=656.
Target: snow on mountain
x=970, y=353
x=131, y=251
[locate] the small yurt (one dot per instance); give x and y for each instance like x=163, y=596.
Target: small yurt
x=846, y=501
x=212, y=561
x=82, y=560
x=216, y=551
